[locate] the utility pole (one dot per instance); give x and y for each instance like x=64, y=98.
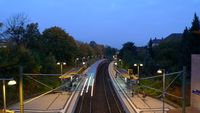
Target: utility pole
x=138, y=71
x=184, y=90
x=21, y=97
x=162, y=71
x=163, y=90
x=4, y=96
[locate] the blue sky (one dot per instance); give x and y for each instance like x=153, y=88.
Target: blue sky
x=109, y=22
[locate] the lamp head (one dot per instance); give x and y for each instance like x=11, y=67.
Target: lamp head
x=160, y=71
x=12, y=82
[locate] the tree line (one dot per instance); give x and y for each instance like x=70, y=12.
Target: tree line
x=170, y=54
x=39, y=51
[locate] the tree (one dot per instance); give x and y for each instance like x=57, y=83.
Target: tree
x=191, y=42
x=57, y=42
x=32, y=36
x=109, y=52
x=49, y=64
x=149, y=63
x=150, y=48
x=1, y=25
x=98, y=49
x=195, y=23
x=186, y=52
x=86, y=50
x=128, y=53
x=16, y=28
x=93, y=44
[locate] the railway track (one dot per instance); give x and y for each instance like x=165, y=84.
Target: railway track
x=104, y=99
x=113, y=103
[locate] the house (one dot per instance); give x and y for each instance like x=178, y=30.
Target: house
x=156, y=42
x=3, y=44
x=173, y=36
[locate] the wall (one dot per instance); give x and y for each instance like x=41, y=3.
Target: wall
x=195, y=81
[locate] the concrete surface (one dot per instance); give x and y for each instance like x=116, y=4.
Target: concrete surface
x=145, y=105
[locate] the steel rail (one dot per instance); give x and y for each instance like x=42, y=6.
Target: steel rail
x=111, y=90
x=109, y=108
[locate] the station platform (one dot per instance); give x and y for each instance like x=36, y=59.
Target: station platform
x=59, y=100
x=188, y=110
x=135, y=103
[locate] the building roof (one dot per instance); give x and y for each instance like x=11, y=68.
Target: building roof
x=173, y=36
x=156, y=40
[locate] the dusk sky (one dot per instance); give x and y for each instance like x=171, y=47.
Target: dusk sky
x=109, y=22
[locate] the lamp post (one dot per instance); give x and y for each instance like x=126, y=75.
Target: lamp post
x=61, y=66
x=88, y=60
x=138, y=71
x=11, y=82
x=162, y=71
x=115, y=57
x=84, y=63
x=115, y=64
x=83, y=59
x=120, y=60
x=76, y=62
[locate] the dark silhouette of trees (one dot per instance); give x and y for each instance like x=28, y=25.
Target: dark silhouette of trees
x=16, y=28
x=191, y=42
x=56, y=41
x=128, y=53
x=195, y=23
x=150, y=48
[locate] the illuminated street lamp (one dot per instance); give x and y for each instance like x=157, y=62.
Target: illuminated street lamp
x=120, y=61
x=76, y=62
x=115, y=64
x=61, y=66
x=11, y=82
x=115, y=57
x=84, y=64
x=162, y=71
x=138, y=70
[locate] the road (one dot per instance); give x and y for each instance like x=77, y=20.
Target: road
x=100, y=97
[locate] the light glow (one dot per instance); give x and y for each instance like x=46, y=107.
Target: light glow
x=159, y=71
x=12, y=82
